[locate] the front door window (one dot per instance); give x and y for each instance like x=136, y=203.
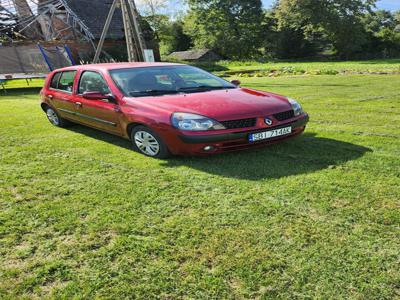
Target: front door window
x=93, y=82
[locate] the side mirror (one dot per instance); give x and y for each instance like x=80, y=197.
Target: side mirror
x=99, y=96
x=236, y=82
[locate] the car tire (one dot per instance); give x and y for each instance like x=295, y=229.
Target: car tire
x=55, y=119
x=149, y=143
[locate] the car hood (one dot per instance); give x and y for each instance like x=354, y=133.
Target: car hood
x=221, y=105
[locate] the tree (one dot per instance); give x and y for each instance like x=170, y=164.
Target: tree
x=180, y=41
x=383, y=34
x=230, y=27
x=288, y=42
x=339, y=20
x=174, y=39
x=151, y=10
x=397, y=17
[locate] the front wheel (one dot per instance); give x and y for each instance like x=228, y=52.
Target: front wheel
x=55, y=119
x=148, y=143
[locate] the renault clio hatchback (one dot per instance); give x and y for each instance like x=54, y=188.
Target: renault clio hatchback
x=169, y=108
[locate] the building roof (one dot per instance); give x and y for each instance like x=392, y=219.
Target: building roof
x=190, y=54
x=94, y=13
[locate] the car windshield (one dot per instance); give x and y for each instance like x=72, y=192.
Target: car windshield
x=164, y=80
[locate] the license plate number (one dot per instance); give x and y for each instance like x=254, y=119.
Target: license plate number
x=265, y=135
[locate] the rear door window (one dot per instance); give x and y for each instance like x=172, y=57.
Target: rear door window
x=54, y=80
x=66, y=81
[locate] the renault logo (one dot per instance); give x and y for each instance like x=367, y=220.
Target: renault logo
x=268, y=121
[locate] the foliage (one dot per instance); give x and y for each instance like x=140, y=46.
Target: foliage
x=168, y=33
x=383, y=29
x=340, y=20
x=286, y=42
x=151, y=11
x=83, y=216
x=174, y=38
x=230, y=27
x=292, y=29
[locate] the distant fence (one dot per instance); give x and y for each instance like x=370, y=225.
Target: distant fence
x=33, y=59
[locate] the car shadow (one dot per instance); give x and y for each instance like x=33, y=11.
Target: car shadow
x=101, y=136
x=305, y=154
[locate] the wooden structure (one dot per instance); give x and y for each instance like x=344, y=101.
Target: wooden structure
x=133, y=33
x=78, y=23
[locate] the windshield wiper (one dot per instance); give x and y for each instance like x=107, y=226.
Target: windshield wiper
x=152, y=92
x=177, y=91
x=204, y=87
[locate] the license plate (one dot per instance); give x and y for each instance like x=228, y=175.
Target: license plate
x=265, y=135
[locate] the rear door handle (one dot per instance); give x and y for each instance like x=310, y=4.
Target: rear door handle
x=79, y=104
x=50, y=97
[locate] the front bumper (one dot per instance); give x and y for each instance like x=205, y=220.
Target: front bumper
x=238, y=135
x=233, y=141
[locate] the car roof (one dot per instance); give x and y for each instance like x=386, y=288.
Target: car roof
x=113, y=66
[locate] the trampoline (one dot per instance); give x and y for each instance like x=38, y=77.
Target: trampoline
x=19, y=76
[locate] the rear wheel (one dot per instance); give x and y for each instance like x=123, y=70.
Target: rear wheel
x=148, y=143
x=55, y=119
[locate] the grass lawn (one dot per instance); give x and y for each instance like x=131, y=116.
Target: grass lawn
x=81, y=215
x=388, y=65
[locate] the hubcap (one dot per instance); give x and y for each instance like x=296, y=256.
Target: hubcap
x=147, y=143
x=52, y=116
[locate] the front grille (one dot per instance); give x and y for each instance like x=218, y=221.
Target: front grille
x=244, y=123
x=286, y=115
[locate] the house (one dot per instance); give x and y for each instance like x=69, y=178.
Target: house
x=196, y=55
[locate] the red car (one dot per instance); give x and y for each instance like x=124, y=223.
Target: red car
x=169, y=108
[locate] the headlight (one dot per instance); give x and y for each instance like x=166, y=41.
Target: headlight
x=192, y=122
x=298, y=110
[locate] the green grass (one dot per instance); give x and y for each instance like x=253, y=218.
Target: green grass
x=391, y=66
x=376, y=65
x=81, y=215
x=254, y=68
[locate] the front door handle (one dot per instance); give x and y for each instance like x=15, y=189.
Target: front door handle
x=50, y=97
x=79, y=104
